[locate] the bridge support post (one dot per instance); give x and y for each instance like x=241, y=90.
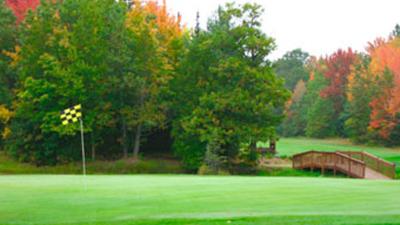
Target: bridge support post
x=379, y=164
x=348, y=174
x=334, y=164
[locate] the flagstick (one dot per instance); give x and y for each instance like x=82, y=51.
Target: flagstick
x=83, y=151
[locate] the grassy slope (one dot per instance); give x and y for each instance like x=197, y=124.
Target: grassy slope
x=180, y=199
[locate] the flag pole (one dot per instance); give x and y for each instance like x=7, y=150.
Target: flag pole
x=83, y=149
x=71, y=115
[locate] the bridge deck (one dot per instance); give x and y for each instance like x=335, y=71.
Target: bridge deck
x=373, y=175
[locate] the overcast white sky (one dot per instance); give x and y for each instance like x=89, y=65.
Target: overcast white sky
x=316, y=26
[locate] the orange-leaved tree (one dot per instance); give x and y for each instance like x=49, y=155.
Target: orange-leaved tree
x=385, y=65
x=157, y=40
x=361, y=88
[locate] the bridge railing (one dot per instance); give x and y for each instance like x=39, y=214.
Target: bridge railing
x=330, y=160
x=373, y=162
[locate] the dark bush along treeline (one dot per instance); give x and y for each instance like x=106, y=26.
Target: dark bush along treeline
x=346, y=94
x=141, y=78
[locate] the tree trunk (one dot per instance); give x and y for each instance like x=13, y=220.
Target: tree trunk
x=124, y=144
x=272, y=146
x=138, y=134
x=253, y=146
x=93, y=146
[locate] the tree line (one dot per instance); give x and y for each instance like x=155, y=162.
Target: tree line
x=135, y=69
x=346, y=94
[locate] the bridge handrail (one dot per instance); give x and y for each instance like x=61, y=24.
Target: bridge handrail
x=321, y=152
x=334, y=160
x=375, y=163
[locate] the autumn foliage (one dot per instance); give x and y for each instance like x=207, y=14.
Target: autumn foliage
x=169, y=25
x=338, y=67
x=358, y=95
x=337, y=70
x=385, y=65
x=21, y=7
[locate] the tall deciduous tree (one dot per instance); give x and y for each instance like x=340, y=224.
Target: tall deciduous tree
x=337, y=69
x=157, y=45
x=385, y=65
x=8, y=35
x=361, y=87
x=229, y=90
x=296, y=120
x=320, y=112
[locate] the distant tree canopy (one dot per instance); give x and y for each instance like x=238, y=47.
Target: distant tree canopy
x=292, y=67
x=350, y=95
x=136, y=70
x=396, y=31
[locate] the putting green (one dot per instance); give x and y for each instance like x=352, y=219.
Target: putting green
x=183, y=199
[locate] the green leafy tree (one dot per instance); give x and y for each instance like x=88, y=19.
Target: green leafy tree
x=295, y=121
x=320, y=117
x=320, y=111
x=230, y=91
x=292, y=67
x=360, y=90
x=8, y=33
x=157, y=43
x=65, y=54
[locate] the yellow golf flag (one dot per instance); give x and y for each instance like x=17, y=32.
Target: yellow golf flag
x=71, y=115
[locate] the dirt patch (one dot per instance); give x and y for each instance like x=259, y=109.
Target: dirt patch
x=275, y=163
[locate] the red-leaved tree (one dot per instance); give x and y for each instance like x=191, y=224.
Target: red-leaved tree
x=338, y=68
x=21, y=7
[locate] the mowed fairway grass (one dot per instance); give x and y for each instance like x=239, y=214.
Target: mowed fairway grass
x=186, y=199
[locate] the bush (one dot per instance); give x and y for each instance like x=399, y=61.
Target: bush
x=205, y=170
x=145, y=166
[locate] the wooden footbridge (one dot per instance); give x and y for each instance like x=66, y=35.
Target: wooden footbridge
x=352, y=164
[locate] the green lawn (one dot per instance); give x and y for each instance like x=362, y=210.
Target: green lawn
x=185, y=199
x=291, y=146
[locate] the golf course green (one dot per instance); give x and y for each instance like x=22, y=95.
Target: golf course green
x=186, y=199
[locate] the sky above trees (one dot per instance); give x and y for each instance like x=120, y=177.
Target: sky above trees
x=318, y=27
